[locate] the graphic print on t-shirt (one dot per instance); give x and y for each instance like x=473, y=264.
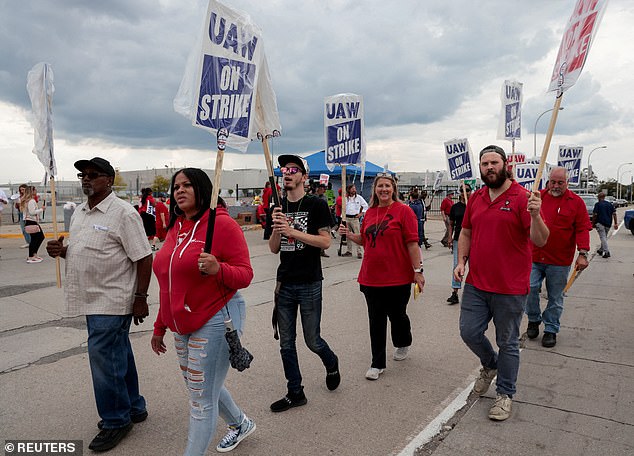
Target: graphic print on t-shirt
x=299, y=221
x=374, y=230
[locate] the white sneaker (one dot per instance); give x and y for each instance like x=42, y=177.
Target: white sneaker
x=34, y=260
x=235, y=434
x=373, y=373
x=25, y=246
x=400, y=353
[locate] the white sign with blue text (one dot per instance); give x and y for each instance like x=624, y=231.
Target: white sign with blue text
x=458, y=154
x=570, y=158
x=344, y=130
x=510, y=126
x=525, y=174
x=227, y=82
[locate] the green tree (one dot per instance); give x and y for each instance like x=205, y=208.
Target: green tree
x=161, y=184
x=119, y=184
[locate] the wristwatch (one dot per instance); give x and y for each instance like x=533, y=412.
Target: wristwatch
x=419, y=270
x=583, y=253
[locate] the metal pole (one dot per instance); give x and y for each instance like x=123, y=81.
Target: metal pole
x=618, y=172
x=535, y=130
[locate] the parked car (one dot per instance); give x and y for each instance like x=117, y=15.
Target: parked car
x=590, y=201
x=612, y=200
x=621, y=202
x=628, y=220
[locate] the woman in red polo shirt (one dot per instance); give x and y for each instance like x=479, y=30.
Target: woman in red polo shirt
x=392, y=262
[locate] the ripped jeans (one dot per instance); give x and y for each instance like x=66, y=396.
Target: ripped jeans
x=204, y=361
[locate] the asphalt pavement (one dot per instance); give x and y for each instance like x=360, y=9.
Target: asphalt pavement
x=574, y=399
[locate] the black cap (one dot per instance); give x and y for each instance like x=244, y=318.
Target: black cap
x=100, y=163
x=493, y=148
x=283, y=160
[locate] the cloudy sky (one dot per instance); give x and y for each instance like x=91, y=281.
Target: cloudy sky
x=428, y=71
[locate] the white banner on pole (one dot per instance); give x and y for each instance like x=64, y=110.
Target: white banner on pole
x=39, y=85
x=510, y=126
x=344, y=131
x=226, y=82
x=575, y=43
x=570, y=158
x=459, y=161
x=440, y=175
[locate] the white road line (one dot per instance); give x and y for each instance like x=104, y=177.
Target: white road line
x=435, y=426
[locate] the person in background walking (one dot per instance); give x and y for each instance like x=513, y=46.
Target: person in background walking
x=445, y=207
x=27, y=237
x=355, y=205
x=148, y=215
x=455, y=226
x=602, y=216
x=162, y=217
x=28, y=206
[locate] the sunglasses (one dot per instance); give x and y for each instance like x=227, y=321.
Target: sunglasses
x=290, y=170
x=388, y=175
x=90, y=176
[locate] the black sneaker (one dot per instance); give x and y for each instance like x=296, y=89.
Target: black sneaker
x=606, y=255
x=453, y=299
x=139, y=417
x=533, y=329
x=289, y=401
x=333, y=378
x=549, y=340
x=107, y=439
x=600, y=252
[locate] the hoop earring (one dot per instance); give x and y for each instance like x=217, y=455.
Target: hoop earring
x=177, y=211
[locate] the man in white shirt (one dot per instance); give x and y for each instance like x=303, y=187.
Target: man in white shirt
x=355, y=206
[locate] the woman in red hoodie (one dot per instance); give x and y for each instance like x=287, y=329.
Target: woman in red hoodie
x=198, y=292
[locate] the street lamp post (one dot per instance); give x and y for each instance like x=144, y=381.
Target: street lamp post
x=589, y=165
x=625, y=173
x=535, y=130
x=618, y=174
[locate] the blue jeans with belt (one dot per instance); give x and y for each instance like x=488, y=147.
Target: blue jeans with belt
x=556, y=279
x=305, y=297
x=477, y=309
x=114, y=376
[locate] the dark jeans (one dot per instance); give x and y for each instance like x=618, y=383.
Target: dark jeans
x=384, y=303
x=477, y=309
x=36, y=239
x=307, y=298
x=268, y=227
x=114, y=376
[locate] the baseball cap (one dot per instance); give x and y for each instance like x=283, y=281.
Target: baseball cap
x=100, y=163
x=493, y=148
x=283, y=160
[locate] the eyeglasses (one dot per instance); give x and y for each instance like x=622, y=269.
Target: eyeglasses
x=290, y=170
x=388, y=175
x=90, y=176
x=462, y=190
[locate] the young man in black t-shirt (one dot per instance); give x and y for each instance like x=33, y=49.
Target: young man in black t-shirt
x=301, y=228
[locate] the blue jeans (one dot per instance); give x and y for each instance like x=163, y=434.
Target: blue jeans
x=454, y=283
x=307, y=298
x=603, y=236
x=204, y=362
x=114, y=376
x=476, y=311
x=27, y=236
x=556, y=279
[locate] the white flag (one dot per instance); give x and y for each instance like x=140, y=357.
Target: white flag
x=39, y=85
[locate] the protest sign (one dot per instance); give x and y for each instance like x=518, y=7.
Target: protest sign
x=226, y=82
x=510, y=126
x=575, y=43
x=526, y=173
x=570, y=158
x=458, y=154
x=440, y=175
x=344, y=130
x=324, y=178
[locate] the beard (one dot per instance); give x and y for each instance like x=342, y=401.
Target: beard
x=495, y=180
x=88, y=191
